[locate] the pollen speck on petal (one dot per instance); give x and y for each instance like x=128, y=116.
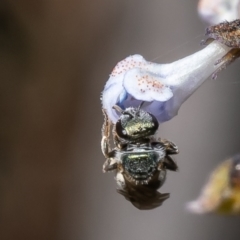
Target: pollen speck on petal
x=146, y=86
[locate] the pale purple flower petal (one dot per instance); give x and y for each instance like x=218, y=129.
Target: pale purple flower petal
x=163, y=87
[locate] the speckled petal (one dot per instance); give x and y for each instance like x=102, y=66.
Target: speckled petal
x=163, y=87
x=145, y=86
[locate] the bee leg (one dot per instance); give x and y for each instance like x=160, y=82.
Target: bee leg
x=160, y=166
x=170, y=164
x=105, y=144
x=116, y=140
x=170, y=147
x=153, y=139
x=109, y=165
x=120, y=181
x=230, y=57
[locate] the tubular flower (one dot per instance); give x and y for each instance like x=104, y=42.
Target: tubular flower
x=162, y=87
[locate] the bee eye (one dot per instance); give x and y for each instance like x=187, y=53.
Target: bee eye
x=121, y=132
x=155, y=123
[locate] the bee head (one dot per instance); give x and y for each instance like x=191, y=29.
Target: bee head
x=135, y=123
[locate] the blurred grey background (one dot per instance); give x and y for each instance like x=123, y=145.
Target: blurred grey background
x=55, y=57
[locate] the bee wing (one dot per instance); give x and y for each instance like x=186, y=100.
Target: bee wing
x=142, y=197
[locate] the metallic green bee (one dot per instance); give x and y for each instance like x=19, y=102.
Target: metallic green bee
x=138, y=159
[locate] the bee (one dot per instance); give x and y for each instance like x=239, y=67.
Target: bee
x=139, y=160
x=227, y=33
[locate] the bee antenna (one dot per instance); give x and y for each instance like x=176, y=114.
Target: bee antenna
x=118, y=109
x=140, y=106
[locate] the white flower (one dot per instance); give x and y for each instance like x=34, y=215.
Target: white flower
x=163, y=87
